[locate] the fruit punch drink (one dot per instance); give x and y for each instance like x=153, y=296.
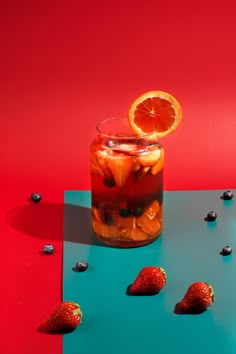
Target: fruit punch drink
x=126, y=185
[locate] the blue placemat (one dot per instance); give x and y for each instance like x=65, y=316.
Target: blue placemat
x=188, y=250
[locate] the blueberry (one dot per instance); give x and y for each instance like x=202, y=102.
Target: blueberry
x=81, y=266
x=48, y=249
x=138, y=212
x=226, y=250
x=36, y=197
x=124, y=212
x=228, y=195
x=109, y=182
x=107, y=218
x=211, y=216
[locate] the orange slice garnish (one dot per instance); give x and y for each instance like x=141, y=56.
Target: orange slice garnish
x=155, y=111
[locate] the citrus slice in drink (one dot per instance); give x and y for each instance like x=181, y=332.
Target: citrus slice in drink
x=158, y=166
x=127, y=222
x=152, y=209
x=97, y=214
x=109, y=231
x=138, y=234
x=150, y=158
x=152, y=227
x=102, y=157
x=155, y=111
x=95, y=167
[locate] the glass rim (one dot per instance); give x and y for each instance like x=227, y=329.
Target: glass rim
x=123, y=118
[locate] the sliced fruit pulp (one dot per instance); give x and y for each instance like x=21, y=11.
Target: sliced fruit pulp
x=120, y=166
x=128, y=229
x=131, y=228
x=149, y=158
x=124, y=181
x=125, y=159
x=162, y=115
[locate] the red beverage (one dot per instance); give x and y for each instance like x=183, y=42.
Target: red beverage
x=126, y=185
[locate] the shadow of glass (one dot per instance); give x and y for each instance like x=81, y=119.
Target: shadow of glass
x=78, y=225
x=54, y=221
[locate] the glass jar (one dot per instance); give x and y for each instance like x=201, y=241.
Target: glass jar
x=126, y=185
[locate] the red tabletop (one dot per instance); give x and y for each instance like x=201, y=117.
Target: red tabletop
x=66, y=65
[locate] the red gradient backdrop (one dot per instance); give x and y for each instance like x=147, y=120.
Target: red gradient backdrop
x=66, y=65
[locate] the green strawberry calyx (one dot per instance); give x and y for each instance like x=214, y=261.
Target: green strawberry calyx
x=77, y=312
x=212, y=294
x=163, y=272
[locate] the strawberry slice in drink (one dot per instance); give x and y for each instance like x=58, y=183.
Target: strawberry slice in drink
x=158, y=166
x=120, y=167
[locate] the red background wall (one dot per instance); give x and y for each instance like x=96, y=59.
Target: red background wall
x=66, y=65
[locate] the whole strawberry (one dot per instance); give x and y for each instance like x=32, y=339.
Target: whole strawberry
x=64, y=319
x=198, y=297
x=150, y=280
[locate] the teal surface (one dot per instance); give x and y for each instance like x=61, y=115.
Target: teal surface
x=188, y=250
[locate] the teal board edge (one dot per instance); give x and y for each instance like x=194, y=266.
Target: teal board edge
x=188, y=250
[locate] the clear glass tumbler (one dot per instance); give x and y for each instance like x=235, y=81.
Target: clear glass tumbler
x=126, y=185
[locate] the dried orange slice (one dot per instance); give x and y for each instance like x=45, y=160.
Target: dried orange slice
x=155, y=110
x=128, y=222
x=138, y=234
x=153, y=209
x=110, y=231
x=149, y=214
x=152, y=227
